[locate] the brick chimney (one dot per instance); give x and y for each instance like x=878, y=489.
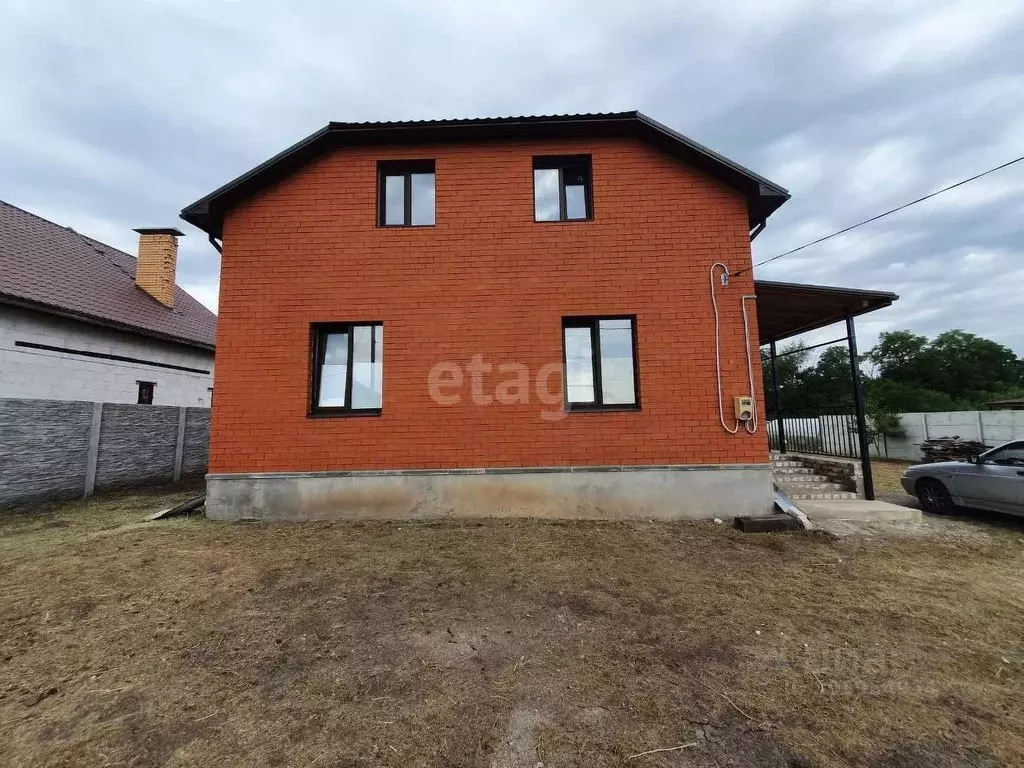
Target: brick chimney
x=158, y=263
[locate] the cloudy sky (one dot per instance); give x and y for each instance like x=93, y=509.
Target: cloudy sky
x=117, y=114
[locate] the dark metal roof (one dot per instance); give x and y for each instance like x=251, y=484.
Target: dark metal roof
x=54, y=269
x=789, y=309
x=763, y=196
x=1013, y=403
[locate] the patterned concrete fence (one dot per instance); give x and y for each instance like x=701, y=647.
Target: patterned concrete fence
x=56, y=449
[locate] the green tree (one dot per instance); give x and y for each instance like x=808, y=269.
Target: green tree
x=897, y=397
x=898, y=356
x=829, y=381
x=791, y=362
x=966, y=366
x=955, y=371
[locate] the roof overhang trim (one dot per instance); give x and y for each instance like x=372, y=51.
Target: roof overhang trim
x=763, y=196
x=785, y=310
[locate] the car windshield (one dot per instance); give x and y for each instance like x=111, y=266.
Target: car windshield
x=1010, y=456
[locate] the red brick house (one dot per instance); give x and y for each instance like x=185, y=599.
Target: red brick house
x=507, y=316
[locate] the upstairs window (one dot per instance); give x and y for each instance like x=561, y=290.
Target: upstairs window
x=562, y=189
x=348, y=368
x=406, y=193
x=600, y=363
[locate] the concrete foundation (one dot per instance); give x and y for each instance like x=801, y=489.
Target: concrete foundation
x=599, y=493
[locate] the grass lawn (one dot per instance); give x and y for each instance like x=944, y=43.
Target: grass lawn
x=519, y=643
x=887, y=474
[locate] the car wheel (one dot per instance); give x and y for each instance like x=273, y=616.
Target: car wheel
x=934, y=497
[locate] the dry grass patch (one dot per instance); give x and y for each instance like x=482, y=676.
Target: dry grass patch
x=887, y=476
x=186, y=642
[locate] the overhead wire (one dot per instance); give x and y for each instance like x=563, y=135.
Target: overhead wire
x=883, y=215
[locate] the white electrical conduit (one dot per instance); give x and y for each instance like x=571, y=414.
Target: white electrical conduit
x=751, y=425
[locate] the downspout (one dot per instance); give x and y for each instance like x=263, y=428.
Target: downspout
x=215, y=244
x=758, y=229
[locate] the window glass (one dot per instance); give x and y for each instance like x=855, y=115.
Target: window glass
x=334, y=372
x=575, y=202
x=350, y=376
x=579, y=365
x=600, y=363
x=545, y=194
x=394, y=200
x=616, y=344
x=1013, y=456
x=366, y=363
x=422, y=198
x=561, y=188
x=575, y=181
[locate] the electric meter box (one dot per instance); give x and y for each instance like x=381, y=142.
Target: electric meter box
x=744, y=408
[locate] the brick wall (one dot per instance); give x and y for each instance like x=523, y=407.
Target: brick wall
x=46, y=445
x=157, y=266
x=485, y=280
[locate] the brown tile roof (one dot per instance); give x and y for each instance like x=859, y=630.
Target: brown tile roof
x=53, y=268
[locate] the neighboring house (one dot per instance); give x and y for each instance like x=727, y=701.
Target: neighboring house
x=400, y=303
x=80, y=320
x=1013, y=404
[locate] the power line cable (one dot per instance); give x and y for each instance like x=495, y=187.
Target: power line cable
x=883, y=215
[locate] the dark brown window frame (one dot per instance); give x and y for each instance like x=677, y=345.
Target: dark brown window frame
x=560, y=163
x=146, y=388
x=591, y=322
x=405, y=169
x=318, y=348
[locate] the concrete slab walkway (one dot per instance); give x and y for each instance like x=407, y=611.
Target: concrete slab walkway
x=858, y=510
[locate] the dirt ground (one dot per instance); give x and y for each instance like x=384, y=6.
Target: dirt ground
x=503, y=644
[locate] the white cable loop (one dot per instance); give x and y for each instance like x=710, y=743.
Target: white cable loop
x=751, y=425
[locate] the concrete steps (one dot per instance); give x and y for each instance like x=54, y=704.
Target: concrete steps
x=801, y=482
x=802, y=479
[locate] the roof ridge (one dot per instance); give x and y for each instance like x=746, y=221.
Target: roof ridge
x=34, y=215
x=488, y=118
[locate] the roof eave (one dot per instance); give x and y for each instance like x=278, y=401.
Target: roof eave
x=38, y=306
x=764, y=197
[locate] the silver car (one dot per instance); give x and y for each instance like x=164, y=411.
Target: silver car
x=993, y=481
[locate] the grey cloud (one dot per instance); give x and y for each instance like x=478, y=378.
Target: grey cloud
x=121, y=114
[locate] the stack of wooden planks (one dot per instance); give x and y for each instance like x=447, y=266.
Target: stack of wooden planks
x=951, y=449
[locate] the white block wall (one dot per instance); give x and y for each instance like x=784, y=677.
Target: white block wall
x=36, y=373
x=990, y=427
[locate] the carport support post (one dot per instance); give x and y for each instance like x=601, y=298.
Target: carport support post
x=775, y=397
x=858, y=405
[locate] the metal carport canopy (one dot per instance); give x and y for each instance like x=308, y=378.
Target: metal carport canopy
x=789, y=309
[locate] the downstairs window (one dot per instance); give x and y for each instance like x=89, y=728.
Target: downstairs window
x=600, y=363
x=348, y=369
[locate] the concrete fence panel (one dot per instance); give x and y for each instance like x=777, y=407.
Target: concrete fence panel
x=137, y=445
x=990, y=427
x=197, y=442
x=58, y=449
x=44, y=448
